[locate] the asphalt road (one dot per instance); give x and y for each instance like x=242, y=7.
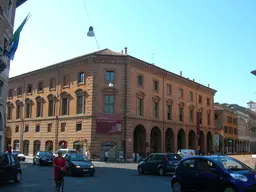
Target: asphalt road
x=109, y=177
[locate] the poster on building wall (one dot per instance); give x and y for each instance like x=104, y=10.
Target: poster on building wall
x=108, y=123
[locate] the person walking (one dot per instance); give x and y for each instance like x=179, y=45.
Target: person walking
x=106, y=156
x=59, y=163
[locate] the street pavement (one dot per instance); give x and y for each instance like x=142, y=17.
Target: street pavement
x=109, y=177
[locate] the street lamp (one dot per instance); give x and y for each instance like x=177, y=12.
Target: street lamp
x=111, y=84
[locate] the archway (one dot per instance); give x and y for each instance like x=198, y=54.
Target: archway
x=37, y=145
x=192, y=140
x=16, y=145
x=169, y=140
x=78, y=146
x=26, y=147
x=201, y=142
x=155, y=140
x=139, y=140
x=209, y=142
x=63, y=144
x=181, y=139
x=49, y=146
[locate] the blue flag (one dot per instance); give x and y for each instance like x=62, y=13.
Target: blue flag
x=16, y=37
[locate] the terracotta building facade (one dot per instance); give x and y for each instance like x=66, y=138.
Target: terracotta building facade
x=7, y=17
x=109, y=101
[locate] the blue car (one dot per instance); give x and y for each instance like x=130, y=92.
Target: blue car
x=213, y=174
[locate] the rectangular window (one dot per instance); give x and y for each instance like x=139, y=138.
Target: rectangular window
x=226, y=129
x=19, y=91
x=28, y=110
x=156, y=85
x=191, y=116
x=208, y=101
x=51, y=108
x=140, y=107
x=140, y=80
x=201, y=118
x=40, y=86
x=49, y=128
x=10, y=93
x=181, y=113
x=191, y=96
x=66, y=80
x=110, y=76
x=209, y=119
x=26, y=128
x=38, y=109
x=1, y=87
x=18, y=111
x=169, y=112
x=180, y=93
x=16, y=129
x=156, y=110
x=10, y=5
x=63, y=127
x=64, y=106
x=169, y=90
x=80, y=104
x=9, y=112
x=79, y=127
x=109, y=104
x=52, y=83
x=200, y=99
x=29, y=90
x=37, y=128
x=80, y=77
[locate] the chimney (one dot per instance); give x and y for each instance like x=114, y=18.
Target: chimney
x=181, y=73
x=194, y=80
x=209, y=85
x=125, y=50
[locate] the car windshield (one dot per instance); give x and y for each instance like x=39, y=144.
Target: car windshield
x=173, y=157
x=45, y=154
x=16, y=152
x=231, y=164
x=78, y=157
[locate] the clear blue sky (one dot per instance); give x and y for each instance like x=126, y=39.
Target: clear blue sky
x=212, y=41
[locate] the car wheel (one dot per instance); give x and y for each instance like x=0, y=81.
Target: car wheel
x=176, y=186
x=34, y=161
x=92, y=174
x=70, y=172
x=140, y=170
x=17, y=177
x=229, y=189
x=161, y=171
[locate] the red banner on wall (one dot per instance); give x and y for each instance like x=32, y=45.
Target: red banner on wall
x=108, y=123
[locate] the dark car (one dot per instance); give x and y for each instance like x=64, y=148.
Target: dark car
x=20, y=155
x=43, y=158
x=78, y=164
x=160, y=163
x=213, y=174
x=9, y=168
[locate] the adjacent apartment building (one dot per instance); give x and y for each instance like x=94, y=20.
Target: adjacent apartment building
x=7, y=16
x=108, y=101
x=227, y=129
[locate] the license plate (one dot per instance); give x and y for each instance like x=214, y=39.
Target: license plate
x=85, y=169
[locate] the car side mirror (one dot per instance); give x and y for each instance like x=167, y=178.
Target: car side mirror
x=214, y=170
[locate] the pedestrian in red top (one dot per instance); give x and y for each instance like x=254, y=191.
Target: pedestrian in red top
x=10, y=150
x=59, y=163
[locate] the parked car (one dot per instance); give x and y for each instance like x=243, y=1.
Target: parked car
x=212, y=174
x=79, y=164
x=20, y=155
x=9, y=168
x=160, y=163
x=65, y=151
x=186, y=152
x=43, y=158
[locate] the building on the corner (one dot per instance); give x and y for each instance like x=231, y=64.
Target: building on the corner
x=7, y=16
x=226, y=129
x=108, y=101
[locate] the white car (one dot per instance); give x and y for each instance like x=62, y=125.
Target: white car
x=20, y=155
x=186, y=152
x=64, y=151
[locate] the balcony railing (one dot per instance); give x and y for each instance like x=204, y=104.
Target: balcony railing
x=3, y=60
